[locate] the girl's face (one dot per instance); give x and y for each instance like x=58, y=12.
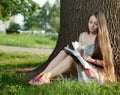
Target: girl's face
x=93, y=24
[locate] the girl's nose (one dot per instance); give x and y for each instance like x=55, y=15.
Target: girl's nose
x=92, y=25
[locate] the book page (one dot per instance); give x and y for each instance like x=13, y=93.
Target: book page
x=76, y=52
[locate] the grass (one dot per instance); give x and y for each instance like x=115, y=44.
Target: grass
x=28, y=40
x=10, y=60
x=12, y=84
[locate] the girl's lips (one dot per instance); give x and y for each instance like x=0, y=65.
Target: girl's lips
x=91, y=29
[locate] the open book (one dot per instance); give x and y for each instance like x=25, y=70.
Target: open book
x=74, y=48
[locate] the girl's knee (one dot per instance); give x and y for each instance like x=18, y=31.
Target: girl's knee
x=63, y=52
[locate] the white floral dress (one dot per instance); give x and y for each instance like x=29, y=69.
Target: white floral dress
x=94, y=73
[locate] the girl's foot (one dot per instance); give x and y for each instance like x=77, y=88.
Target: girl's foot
x=40, y=79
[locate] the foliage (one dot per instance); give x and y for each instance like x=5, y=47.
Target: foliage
x=9, y=8
x=13, y=26
x=29, y=40
x=55, y=17
x=47, y=18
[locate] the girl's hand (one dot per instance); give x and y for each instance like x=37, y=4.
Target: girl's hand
x=91, y=60
x=87, y=58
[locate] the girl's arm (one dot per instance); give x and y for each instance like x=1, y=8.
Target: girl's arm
x=97, y=62
x=94, y=61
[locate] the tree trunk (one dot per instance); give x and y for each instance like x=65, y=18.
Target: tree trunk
x=73, y=21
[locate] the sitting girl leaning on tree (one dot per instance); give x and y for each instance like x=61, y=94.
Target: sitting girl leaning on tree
x=98, y=54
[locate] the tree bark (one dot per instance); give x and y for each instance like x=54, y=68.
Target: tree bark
x=73, y=21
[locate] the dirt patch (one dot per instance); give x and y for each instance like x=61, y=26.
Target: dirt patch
x=23, y=49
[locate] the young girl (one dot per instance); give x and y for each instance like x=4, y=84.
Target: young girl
x=98, y=54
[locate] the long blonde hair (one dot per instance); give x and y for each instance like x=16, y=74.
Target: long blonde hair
x=103, y=48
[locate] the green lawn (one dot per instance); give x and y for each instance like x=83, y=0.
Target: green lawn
x=13, y=60
x=12, y=84
x=28, y=40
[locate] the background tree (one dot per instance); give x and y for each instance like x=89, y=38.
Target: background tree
x=47, y=18
x=13, y=28
x=9, y=8
x=32, y=23
x=73, y=14
x=55, y=17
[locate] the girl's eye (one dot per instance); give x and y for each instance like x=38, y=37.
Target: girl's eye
x=96, y=24
x=93, y=23
x=90, y=22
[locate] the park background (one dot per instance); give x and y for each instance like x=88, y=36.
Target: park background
x=39, y=29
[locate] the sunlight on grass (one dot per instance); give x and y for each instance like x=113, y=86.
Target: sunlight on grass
x=9, y=60
x=29, y=40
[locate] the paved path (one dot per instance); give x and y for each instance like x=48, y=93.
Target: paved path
x=23, y=49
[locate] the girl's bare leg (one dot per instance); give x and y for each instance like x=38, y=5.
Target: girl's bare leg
x=60, y=57
x=67, y=64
